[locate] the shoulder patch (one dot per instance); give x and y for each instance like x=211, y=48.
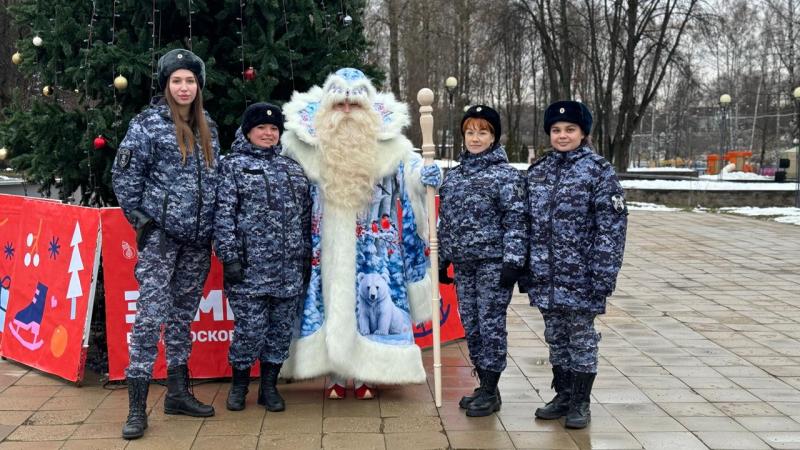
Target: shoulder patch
x=123, y=157
x=618, y=202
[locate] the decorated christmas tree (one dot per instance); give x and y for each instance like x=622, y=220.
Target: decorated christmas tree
x=91, y=63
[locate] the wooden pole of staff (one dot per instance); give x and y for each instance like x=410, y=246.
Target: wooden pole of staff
x=425, y=99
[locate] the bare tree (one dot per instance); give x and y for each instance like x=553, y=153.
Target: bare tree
x=555, y=27
x=633, y=43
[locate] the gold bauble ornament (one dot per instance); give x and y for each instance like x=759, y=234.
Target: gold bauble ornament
x=16, y=58
x=3, y=153
x=47, y=91
x=120, y=82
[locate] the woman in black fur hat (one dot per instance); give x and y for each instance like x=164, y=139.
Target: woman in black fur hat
x=164, y=177
x=577, y=239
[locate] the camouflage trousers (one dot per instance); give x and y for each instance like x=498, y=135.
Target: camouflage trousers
x=572, y=339
x=483, y=304
x=171, y=278
x=262, y=328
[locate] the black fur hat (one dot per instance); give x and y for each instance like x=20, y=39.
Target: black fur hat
x=486, y=113
x=568, y=111
x=180, y=59
x=259, y=113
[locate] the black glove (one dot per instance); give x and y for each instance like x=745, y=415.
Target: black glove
x=509, y=275
x=443, y=277
x=143, y=224
x=233, y=272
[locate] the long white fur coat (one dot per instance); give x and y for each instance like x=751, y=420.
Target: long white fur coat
x=337, y=346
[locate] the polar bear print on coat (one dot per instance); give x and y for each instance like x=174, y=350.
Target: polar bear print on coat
x=377, y=314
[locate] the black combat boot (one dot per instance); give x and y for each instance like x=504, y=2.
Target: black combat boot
x=579, y=415
x=137, y=408
x=488, y=399
x=559, y=405
x=268, y=394
x=467, y=399
x=179, y=400
x=238, y=391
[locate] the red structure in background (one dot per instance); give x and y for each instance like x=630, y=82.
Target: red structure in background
x=738, y=157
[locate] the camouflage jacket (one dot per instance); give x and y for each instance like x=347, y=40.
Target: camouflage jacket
x=578, y=224
x=263, y=219
x=150, y=175
x=482, y=210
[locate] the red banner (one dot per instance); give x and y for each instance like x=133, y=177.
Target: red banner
x=213, y=324
x=449, y=318
x=54, y=261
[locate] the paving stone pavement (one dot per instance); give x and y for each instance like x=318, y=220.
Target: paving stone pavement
x=699, y=350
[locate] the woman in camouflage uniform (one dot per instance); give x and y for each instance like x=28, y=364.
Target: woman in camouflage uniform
x=262, y=229
x=578, y=223
x=164, y=177
x=482, y=229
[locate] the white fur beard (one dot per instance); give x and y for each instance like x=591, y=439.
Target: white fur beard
x=348, y=145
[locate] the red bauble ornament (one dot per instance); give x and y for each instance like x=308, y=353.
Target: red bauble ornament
x=427, y=251
x=385, y=224
x=99, y=142
x=250, y=74
x=374, y=227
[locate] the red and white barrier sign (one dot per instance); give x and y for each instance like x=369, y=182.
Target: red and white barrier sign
x=52, y=253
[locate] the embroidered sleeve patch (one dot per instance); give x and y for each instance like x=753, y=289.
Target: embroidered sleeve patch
x=123, y=158
x=618, y=202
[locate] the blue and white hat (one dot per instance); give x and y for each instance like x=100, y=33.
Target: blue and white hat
x=348, y=85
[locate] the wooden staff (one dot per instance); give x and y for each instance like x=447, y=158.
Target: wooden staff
x=425, y=99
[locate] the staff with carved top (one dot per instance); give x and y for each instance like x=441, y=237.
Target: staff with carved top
x=425, y=99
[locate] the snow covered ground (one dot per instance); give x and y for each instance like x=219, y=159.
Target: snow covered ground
x=642, y=206
x=789, y=215
x=707, y=185
x=779, y=214
x=677, y=170
x=738, y=176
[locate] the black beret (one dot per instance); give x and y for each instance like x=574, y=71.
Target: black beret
x=486, y=113
x=568, y=111
x=260, y=113
x=180, y=59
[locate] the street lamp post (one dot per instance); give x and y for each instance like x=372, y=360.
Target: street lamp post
x=724, y=103
x=796, y=95
x=450, y=83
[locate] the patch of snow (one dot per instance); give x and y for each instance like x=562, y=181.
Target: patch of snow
x=794, y=220
x=642, y=206
x=745, y=176
x=658, y=169
x=789, y=215
x=705, y=185
x=756, y=211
